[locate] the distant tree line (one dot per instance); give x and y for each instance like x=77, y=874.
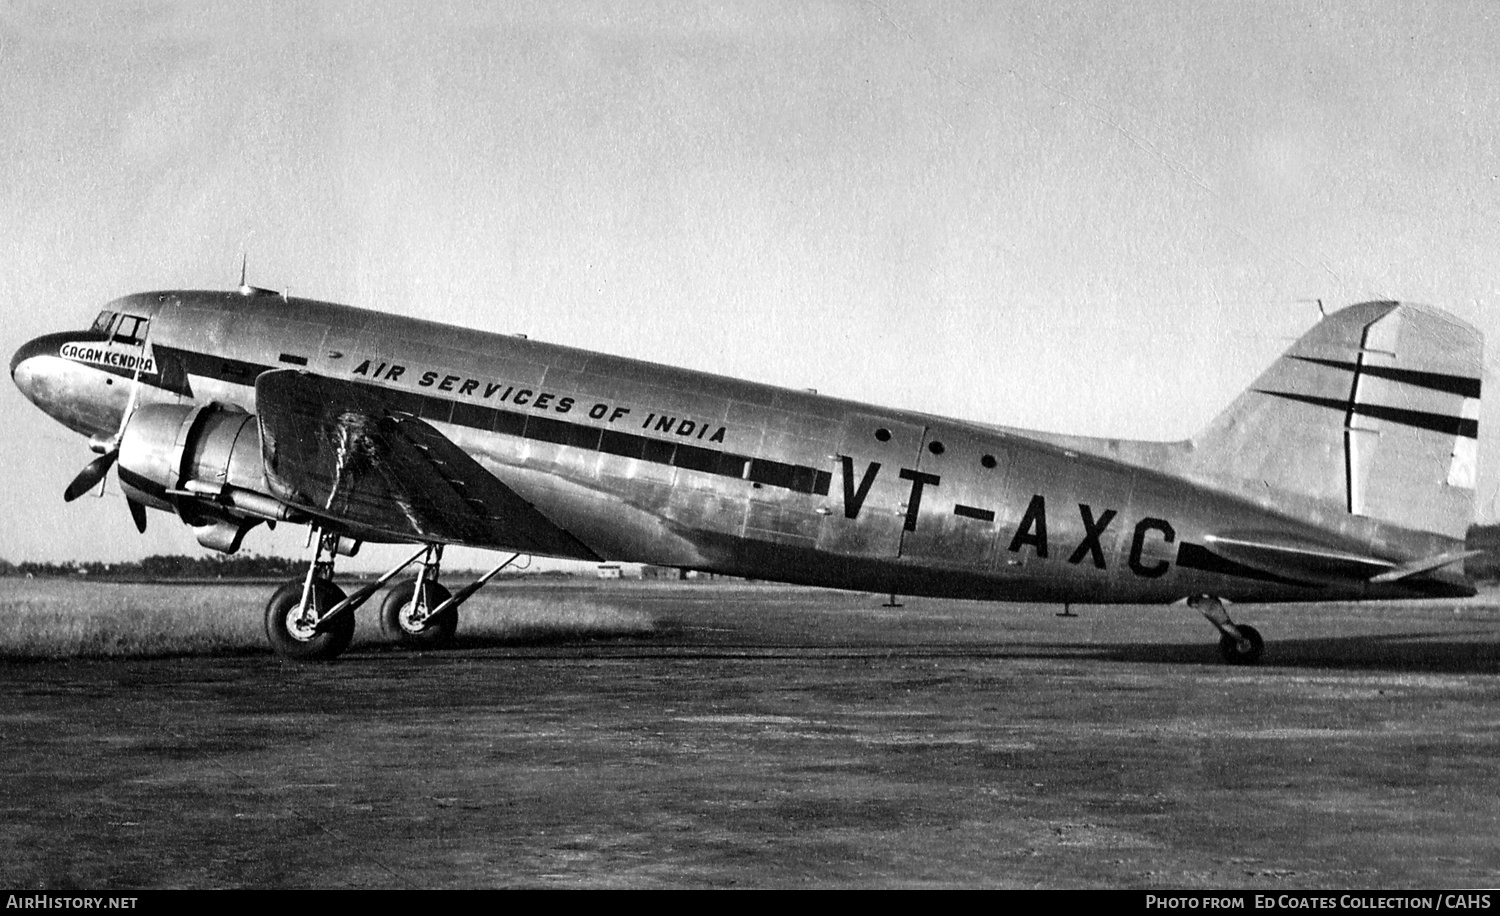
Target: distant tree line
x=248, y=566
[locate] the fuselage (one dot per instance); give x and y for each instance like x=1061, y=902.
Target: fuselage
x=654, y=464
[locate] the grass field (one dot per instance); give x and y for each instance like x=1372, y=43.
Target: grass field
x=64, y=618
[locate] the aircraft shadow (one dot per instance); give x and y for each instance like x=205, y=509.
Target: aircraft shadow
x=1477, y=652
x=1472, y=652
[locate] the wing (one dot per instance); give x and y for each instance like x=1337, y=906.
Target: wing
x=341, y=451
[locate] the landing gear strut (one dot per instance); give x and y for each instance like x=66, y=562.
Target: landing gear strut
x=1239, y=644
x=311, y=619
x=409, y=612
x=299, y=619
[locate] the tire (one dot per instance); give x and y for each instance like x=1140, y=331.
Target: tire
x=395, y=620
x=296, y=643
x=1230, y=648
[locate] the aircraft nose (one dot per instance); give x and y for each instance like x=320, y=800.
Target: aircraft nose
x=67, y=388
x=24, y=365
x=27, y=351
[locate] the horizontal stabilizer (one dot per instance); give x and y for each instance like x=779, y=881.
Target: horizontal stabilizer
x=1417, y=567
x=1292, y=556
x=1296, y=557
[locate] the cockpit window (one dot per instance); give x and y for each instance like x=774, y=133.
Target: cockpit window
x=102, y=323
x=131, y=329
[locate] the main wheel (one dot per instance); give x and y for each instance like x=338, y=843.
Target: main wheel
x=293, y=639
x=1235, y=654
x=398, y=616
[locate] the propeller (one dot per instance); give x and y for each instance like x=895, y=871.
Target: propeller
x=92, y=473
x=95, y=470
x=137, y=514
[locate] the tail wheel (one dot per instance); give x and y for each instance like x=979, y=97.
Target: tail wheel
x=1244, y=651
x=398, y=616
x=293, y=637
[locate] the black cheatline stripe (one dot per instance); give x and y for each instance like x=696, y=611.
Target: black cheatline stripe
x=1420, y=419
x=235, y=371
x=798, y=478
x=1437, y=381
x=984, y=515
x=1196, y=556
x=795, y=477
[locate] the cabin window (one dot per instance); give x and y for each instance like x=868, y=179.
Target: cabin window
x=988, y=461
x=883, y=434
x=935, y=447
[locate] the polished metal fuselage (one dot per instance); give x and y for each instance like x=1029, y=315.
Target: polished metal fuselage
x=654, y=464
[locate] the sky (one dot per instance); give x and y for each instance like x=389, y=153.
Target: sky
x=1092, y=218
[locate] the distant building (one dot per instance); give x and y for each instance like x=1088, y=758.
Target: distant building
x=609, y=571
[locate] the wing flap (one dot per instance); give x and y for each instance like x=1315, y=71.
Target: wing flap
x=340, y=450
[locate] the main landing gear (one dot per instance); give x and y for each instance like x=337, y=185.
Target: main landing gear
x=1239, y=644
x=313, y=620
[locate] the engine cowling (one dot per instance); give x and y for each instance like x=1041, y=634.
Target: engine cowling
x=203, y=463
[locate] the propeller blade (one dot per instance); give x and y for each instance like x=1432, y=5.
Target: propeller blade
x=138, y=513
x=89, y=477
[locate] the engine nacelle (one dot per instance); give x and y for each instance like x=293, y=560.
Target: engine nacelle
x=203, y=463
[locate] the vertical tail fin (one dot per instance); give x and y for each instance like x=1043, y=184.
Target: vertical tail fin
x=1375, y=410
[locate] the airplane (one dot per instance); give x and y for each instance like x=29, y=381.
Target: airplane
x=1346, y=472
